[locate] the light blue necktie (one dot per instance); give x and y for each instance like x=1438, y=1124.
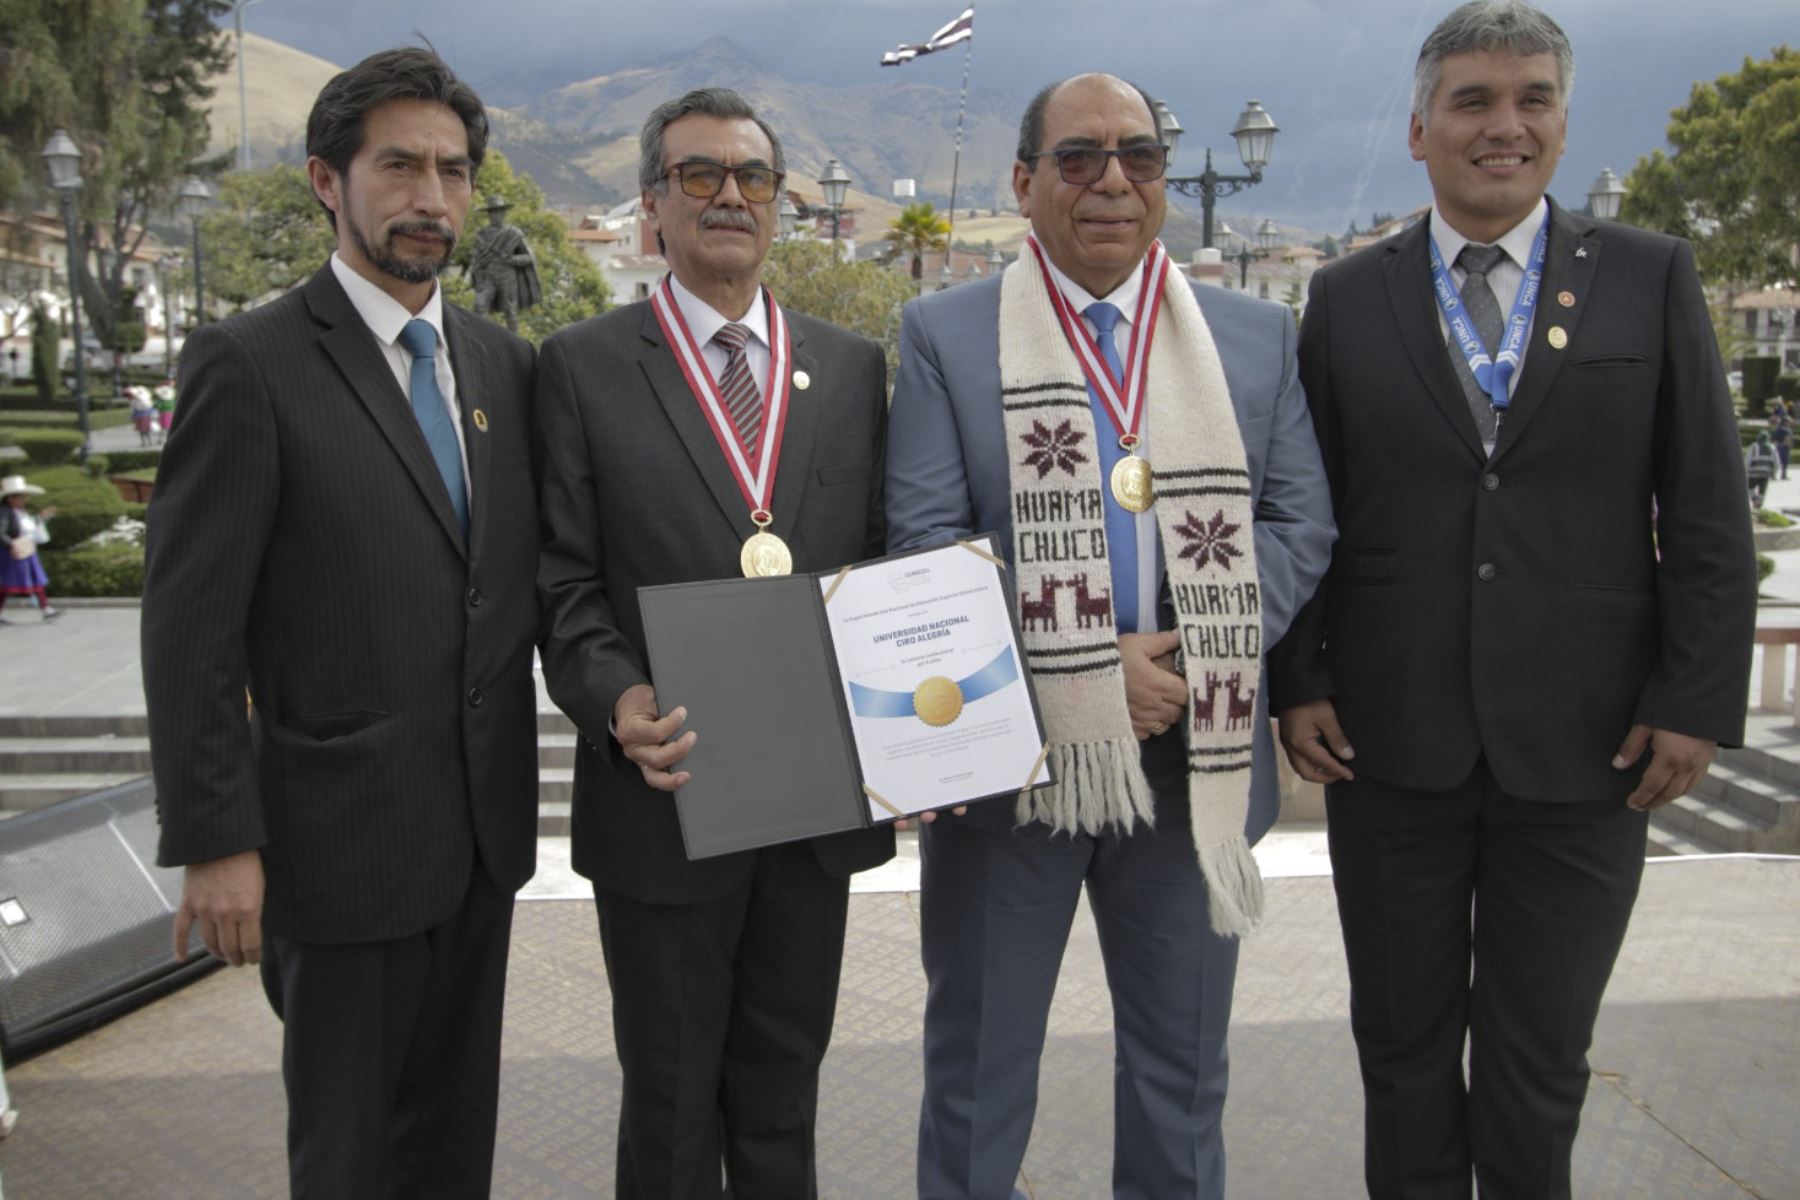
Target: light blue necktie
x=1121, y=526
x=420, y=340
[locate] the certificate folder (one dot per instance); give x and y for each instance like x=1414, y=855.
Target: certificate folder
x=783, y=721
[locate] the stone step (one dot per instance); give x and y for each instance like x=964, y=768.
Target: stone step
x=118, y=725
x=557, y=750
x=74, y=755
x=553, y=818
x=1666, y=843
x=1709, y=823
x=1765, y=800
x=25, y=793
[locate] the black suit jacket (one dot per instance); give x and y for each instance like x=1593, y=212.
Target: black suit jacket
x=1518, y=607
x=637, y=492
x=301, y=542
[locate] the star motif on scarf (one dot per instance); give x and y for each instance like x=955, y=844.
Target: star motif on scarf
x=1054, y=447
x=1209, y=543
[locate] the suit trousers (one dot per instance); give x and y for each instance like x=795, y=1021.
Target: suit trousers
x=996, y=909
x=722, y=1012
x=1472, y=914
x=391, y=1055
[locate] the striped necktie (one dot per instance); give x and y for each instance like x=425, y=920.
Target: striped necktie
x=1121, y=526
x=1478, y=297
x=737, y=387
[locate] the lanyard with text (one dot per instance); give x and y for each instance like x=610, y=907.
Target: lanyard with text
x=1123, y=399
x=763, y=553
x=1494, y=374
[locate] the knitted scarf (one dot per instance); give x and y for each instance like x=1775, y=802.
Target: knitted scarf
x=1205, y=522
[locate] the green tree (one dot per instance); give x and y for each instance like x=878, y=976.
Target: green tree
x=266, y=234
x=917, y=231
x=1732, y=181
x=573, y=287
x=128, y=79
x=813, y=278
x=45, y=341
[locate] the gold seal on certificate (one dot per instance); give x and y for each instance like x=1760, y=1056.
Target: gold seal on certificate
x=937, y=701
x=764, y=555
x=1132, y=485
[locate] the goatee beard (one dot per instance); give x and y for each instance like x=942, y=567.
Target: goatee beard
x=407, y=270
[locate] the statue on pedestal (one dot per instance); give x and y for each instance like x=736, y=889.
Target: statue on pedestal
x=503, y=268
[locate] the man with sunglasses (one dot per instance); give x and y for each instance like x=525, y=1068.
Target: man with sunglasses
x=1033, y=404
x=697, y=435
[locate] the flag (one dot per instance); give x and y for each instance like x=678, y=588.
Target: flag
x=959, y=30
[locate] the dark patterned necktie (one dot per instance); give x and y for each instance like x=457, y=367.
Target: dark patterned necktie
x=1478, y=297
x=737, y=387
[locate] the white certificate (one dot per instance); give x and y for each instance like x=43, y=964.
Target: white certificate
x=934, y=682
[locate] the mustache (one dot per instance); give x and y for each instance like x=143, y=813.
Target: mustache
x=427, y=228
x=728, y=218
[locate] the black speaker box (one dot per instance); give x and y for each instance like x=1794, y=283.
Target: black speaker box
x=86, y=917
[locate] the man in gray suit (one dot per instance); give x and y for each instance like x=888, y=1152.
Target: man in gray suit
x=345, y=525
x=697, y=435
x=1014, y=397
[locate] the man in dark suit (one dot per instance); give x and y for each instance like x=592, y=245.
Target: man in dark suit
x=345, y=524
x=667, y=449
x=1537, y=622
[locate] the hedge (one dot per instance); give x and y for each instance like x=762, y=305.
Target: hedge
x=48, y=447
x=84, y=505
x=118, y=462
x=114, y=570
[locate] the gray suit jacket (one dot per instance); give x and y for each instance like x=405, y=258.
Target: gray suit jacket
x=637, y=492
x=948, y=474
x=302, y=544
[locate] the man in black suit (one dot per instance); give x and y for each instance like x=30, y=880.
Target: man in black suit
x=1537, y=625
x=345, y=524
x=667, y=449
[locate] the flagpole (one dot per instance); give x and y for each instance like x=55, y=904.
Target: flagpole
x=962, y=106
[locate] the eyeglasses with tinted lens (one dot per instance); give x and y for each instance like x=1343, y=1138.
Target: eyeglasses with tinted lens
x=1084, y=165
x=704, y=180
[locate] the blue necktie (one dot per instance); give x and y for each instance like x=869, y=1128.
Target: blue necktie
x=420, y=340
x=1121, y=526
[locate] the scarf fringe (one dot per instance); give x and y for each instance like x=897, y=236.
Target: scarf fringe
x=1098, y=784
x=1234, y=887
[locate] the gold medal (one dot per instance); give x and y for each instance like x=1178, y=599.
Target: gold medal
x=1132, y=484
x=1558, y=337
x=764, y=555
x=938, y=701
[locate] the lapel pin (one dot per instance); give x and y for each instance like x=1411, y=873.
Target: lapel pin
x=1558, y=337
x=480, y=420
x=802, y=380
x=1566, y=299
x=1581, y=252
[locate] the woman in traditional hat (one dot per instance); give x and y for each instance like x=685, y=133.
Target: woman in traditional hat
x=21, y=574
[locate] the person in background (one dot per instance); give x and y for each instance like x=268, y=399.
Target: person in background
x=21, y=573
x=1782, y=434
x=1760, y=463
x=143, y=413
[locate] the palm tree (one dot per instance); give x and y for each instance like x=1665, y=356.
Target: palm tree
x=917, y=231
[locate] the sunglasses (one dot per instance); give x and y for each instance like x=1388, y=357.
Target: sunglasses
x=1084, y=165
x=704, y=180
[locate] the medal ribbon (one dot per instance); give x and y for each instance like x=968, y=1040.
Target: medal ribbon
x=755, y=475
x=1123, y=398
x=1494, y=375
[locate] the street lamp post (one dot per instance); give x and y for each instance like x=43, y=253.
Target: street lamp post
x=1255, y=133
x=1606, y=196
x=237, y=12
x=1266, y=233
x=834, y=183
x=192, y=202
x=789, y=216
x=996, y=261
x=63, y=157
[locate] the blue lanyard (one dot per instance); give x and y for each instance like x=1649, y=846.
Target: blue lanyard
x=1492, y=374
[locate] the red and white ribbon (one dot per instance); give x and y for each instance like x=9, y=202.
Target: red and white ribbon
x=755, y=473
x=1123, y=398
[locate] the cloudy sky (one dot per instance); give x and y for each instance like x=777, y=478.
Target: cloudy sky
x=1334, y=75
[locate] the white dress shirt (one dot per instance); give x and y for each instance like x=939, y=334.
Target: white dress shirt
x=1149, y=549
x=703, y=321
x=1503, y=280
x=386, y=317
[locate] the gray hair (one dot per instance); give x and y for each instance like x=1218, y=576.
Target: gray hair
x=708, y=102
x=1510, y=26
x=1031, y=125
